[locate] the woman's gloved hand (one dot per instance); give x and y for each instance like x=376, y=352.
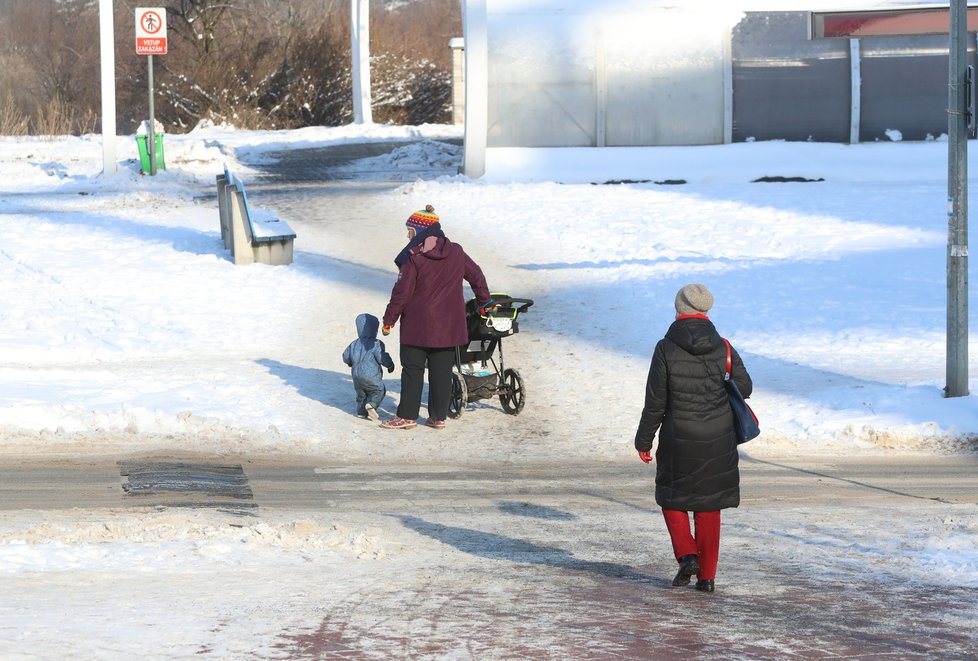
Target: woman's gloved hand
x=485, y=307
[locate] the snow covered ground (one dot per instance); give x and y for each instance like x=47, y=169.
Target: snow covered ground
x=125, y=321
x=126, y=329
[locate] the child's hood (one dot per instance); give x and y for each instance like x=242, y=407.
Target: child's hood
x=367, y=326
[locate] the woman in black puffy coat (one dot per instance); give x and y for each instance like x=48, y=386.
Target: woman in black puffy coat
x=696, y=458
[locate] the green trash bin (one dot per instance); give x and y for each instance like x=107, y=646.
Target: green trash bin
x=144, y=163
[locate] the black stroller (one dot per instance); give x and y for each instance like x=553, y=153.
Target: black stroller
x=477, y=375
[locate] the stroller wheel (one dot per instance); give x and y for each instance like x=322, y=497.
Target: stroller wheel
x=512, y=395
x=460, y=395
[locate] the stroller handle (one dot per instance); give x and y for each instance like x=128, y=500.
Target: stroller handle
x=522, y=304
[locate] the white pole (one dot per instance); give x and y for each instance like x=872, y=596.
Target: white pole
x=476, y=33
x=855, y=93
x=360, y=53
x=110, y=164
x=727, y=45
x=601, y=90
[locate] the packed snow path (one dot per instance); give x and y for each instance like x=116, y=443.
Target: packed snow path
x=832, y=291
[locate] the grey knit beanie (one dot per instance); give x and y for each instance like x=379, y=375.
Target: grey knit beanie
x=694, y=299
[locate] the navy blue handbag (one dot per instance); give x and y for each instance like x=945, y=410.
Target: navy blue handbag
x=745, y=422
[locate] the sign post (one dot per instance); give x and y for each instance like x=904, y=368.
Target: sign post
x=150, y=41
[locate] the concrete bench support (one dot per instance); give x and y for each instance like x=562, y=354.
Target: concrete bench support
x=222, y=207
x=253, y=235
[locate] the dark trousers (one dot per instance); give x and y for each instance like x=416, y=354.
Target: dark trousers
x=705, y=546
x=439, y=363
x=369, y=392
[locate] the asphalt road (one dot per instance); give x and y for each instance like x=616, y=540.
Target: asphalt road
x=307, y=483
x=566, y=561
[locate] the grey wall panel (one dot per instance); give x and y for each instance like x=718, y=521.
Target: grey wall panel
x=664, y=79
x=904, y=87
x=786, y=87
x=619, y=79
x=541, y=82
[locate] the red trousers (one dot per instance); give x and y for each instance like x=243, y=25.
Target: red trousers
x=705, y=546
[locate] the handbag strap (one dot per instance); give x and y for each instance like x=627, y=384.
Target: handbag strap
x=726, y=377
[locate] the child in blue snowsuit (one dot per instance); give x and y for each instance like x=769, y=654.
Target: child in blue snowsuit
x=366, y=355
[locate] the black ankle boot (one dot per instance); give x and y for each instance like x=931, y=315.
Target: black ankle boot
x=705, y=585
x=688, y=565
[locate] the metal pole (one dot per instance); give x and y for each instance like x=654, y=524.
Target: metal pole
x=957, y=206
x=855, y=91
x=152, y=119
x=107, y=67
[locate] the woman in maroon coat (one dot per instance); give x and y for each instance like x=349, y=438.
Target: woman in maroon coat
x=429, y=301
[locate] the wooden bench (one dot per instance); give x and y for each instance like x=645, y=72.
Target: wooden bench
x=252, y=235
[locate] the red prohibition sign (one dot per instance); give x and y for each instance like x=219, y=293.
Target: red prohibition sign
x=151, y=22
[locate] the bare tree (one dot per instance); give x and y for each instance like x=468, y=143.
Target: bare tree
x=251, y=63
x=51, y=76
x=197, y=21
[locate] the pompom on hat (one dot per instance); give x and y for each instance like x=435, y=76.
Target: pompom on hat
x=694, y=299
x=422, y=220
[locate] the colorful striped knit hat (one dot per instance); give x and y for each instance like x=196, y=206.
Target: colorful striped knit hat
x=422, y=220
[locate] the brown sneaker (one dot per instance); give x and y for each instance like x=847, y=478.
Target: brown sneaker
x=399, y=423
x=435, y=424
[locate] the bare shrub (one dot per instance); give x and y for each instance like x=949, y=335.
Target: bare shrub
x=259, y=64
x=12, y=120
x=54, y=118
x=409, y=91
x=411, y=62
x=15, y=81
x=421, y=30
x=55, y=62
x=312, y=86
x=85, y=121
